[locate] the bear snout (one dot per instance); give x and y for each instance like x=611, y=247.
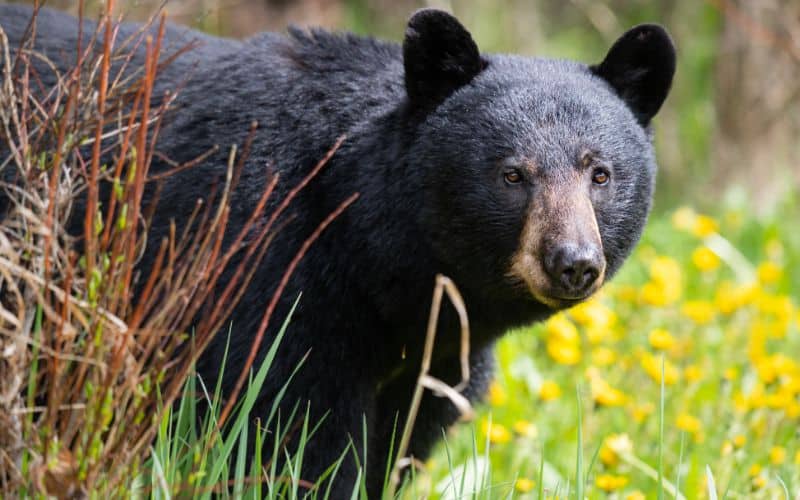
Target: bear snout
x=574, y=270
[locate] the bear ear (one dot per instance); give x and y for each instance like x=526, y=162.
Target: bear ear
x=640, y=66
x=439, y=56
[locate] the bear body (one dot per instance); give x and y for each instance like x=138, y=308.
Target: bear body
x=527, y=181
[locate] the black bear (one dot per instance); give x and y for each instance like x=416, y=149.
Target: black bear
x=525, y=180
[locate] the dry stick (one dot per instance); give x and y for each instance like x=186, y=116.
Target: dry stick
x=94, y=171
x=275, y=296
x=443, y=284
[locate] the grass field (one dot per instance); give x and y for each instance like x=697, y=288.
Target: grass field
x=708, y=302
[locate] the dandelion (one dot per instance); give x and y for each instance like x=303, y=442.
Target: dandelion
x=642, y=411
x=700, y=311
x=524, y=485
x=498, y=434
x=549, y=391
x=525, y=428
x=739, y=440
x=705, y=259
x=777, y=455
x=610, y=482
x=704, y=226
x=769, y=273
x=613, y=446
x=563, y=341
x=661, y=339
x=635, y=495
x=593, y=314
x=692, y=373
x=497, y=395
x=652, y=366
x=684, y=219
x=603, y=356
x=688, y=423
x=605, y=395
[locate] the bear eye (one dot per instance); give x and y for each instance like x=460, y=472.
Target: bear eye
x=512, y=176
x=600, y=176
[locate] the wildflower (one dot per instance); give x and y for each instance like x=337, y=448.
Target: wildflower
x=705, y=259
x=739, y=440
x=564, y=353
x=652, y=365
x=603, y=356
x=642, y=411
x=769, y=273
x=777, y=455
x=498, y=434
x=730, y=374
x=797, y=457
x=593, y=314
x=605, y=395
x=729, y=297
x=726, y=448
x=563, y=341
x=704, y=226
x=683, y=218
x=524, y=485
x=699, y=311
x=525, y=428
x=635, y=495
x=497, y=395
x=613, y=446
x=661, y=339
x=754, y=470
x=688, y=423
x=610, y=482
x=549, y=391
x=692, y=373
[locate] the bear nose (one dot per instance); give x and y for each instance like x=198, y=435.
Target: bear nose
x=574, y=269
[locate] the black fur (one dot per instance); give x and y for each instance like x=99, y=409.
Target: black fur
x=427, y=127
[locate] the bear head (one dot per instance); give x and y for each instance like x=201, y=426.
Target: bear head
x=537, y=174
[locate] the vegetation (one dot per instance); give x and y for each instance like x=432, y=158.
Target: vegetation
x=679, y=380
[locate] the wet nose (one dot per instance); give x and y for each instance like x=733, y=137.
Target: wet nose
x=573, y=269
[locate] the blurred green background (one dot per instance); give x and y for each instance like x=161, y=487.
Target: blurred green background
x=728, y=134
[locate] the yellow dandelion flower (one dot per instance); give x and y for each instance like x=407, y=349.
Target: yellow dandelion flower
x=652, y=366
x=603, y=356
x=704, y=226
x=613, y=446
x=524, y=485
x=759, y=482
x=605, y=395
x=688, y=423
x=739, y=440
x=797, y=457
x=560, y=328
x=610, y=482
x=642, y=411
x=525, y=428
x=549, y=391
x=769, y=273
x=497, y=395
x=564, y=353
x=705, y=259
x=661, y=339
x=635, y=495
x=627, y=293
x=693, y=373
x=729, y=297
x=754, y=470
x=726, y=448
x=684, y=218
x=498, y=434
x=730, y=374
x=700, y=311
x=593, y=314
x=777, y=455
